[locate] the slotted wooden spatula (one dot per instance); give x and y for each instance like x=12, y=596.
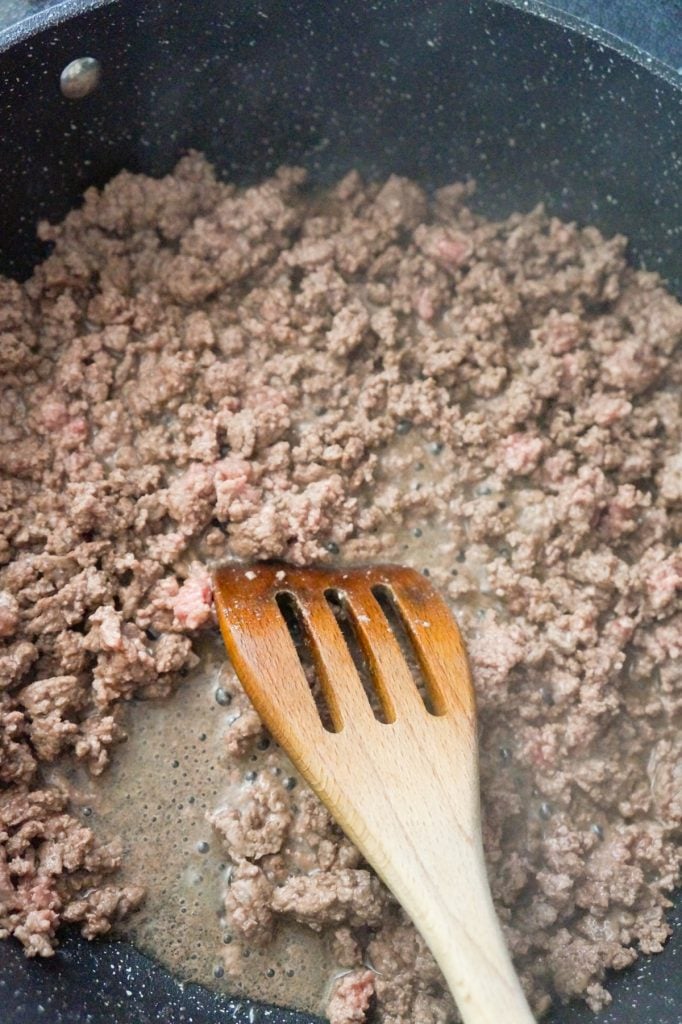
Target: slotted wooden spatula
x=405, y=790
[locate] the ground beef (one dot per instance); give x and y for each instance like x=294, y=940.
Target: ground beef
x=52, y=868
x=331, y=897
x=351, y=997
x=260, y=826
x=198, y=373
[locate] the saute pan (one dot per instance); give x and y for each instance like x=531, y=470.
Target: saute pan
x=578, y=105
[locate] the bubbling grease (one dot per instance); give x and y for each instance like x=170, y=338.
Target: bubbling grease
x=155, y=795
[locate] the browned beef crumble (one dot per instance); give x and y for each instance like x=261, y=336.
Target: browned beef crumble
x=199, y=372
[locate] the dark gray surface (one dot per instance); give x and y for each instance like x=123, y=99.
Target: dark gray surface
x=654, y=27
x=111, y=983
x=436, y=90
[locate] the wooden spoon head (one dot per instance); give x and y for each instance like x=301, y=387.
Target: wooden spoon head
x=252, y=604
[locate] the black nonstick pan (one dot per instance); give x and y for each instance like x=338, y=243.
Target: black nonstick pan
x=554, y=109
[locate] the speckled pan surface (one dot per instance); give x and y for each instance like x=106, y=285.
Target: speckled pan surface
x=435, y=90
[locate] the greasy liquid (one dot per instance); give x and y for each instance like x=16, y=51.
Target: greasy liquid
x=162, y=781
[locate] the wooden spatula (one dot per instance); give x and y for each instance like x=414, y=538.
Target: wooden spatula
x=405, y=789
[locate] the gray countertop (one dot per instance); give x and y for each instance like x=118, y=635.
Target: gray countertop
x=12, y=11
x=651, y=26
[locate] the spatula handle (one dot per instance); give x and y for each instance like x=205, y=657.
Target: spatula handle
x=426, y=845
x=454, y=911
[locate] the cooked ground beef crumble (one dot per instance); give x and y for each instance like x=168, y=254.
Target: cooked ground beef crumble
x=199, y=373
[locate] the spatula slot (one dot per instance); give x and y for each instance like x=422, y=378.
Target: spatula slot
x=298, y=631
x=338, y=603
x=410, y=650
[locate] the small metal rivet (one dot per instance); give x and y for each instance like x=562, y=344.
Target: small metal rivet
x=80, y=77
